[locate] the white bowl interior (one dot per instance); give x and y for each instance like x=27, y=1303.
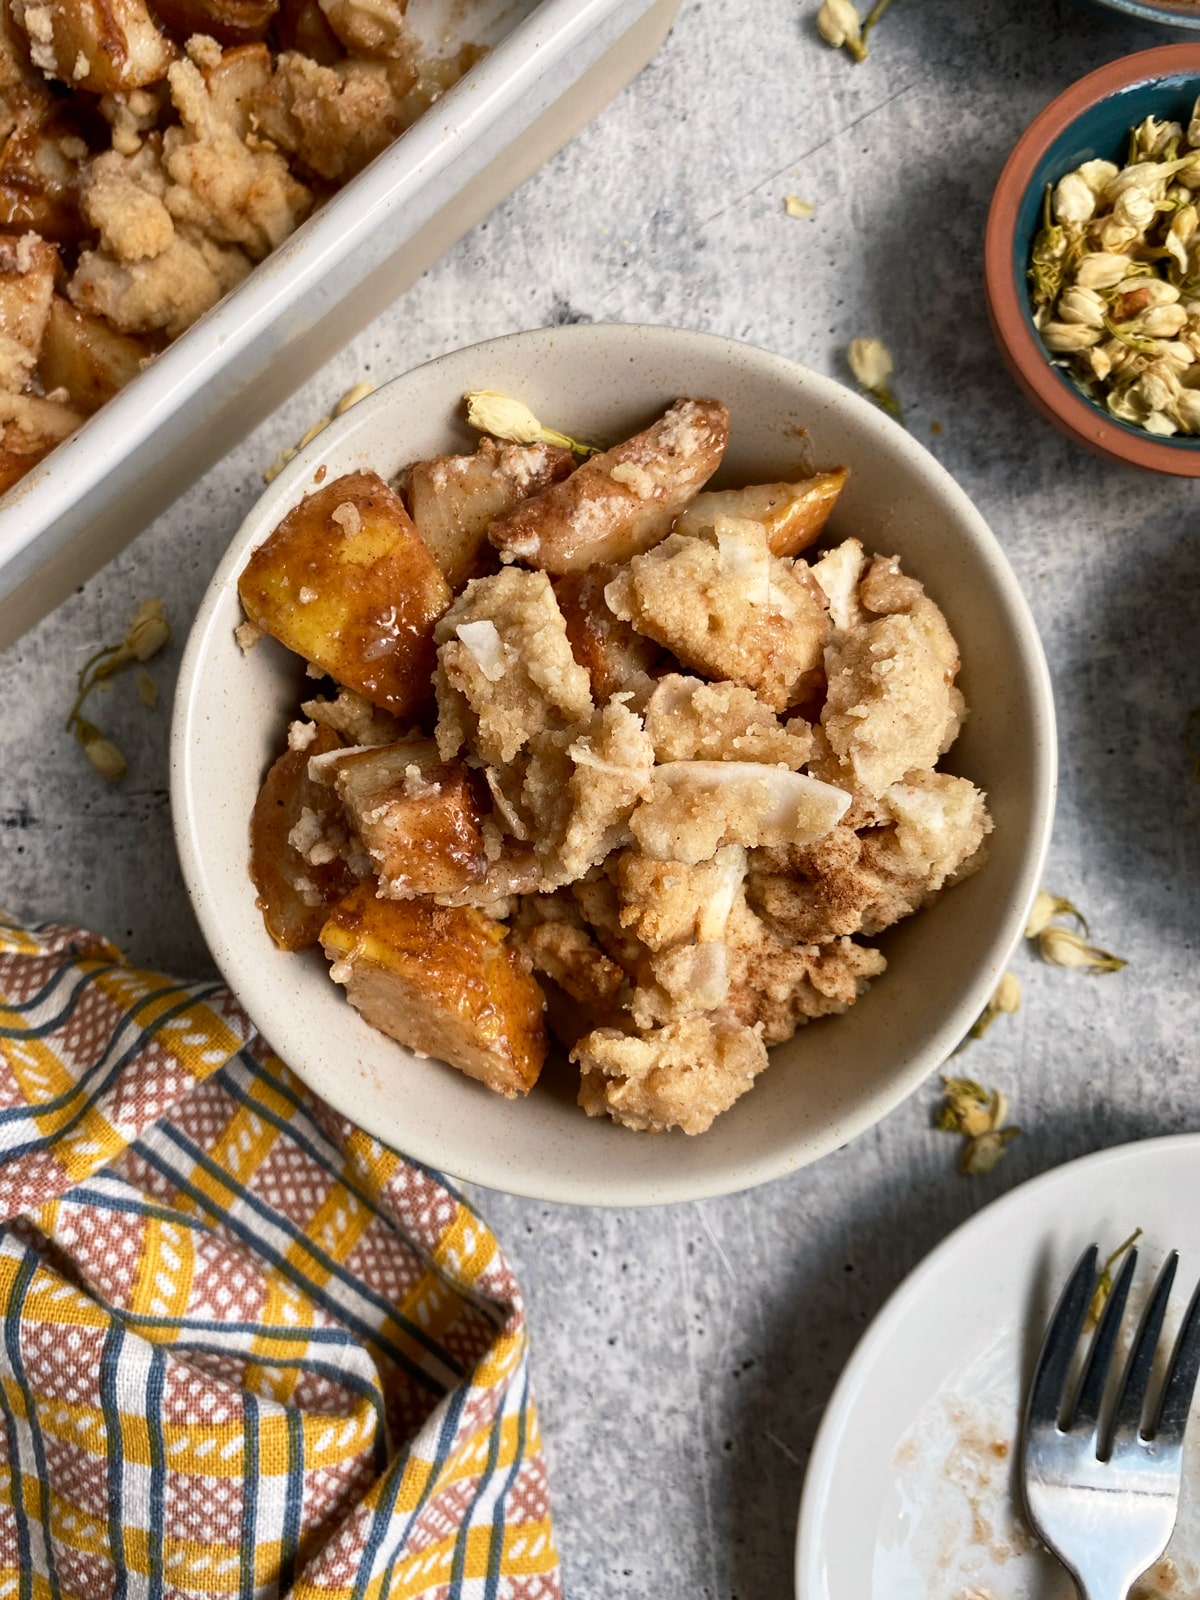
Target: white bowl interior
x=836, y=1077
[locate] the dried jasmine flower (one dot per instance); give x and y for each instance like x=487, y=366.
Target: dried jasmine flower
x=1114, y=277
x=147, y=689
x=1063, y=947
x=146, y=635
x=1006, y=1000
x=1104, y=1283
x=101, y=752
x=795, y=207
x=1046, y=907
x=840, y=25
x=505, y=418
x=148, y=631
x=969, y=1110
x=872, y=365
x=360, y=391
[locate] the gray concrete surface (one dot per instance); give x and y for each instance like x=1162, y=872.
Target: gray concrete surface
x=683, y=1357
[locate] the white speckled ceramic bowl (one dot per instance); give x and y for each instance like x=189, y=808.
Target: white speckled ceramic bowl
x=837, y=1077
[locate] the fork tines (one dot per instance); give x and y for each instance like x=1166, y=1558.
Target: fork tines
x=1081, y=1413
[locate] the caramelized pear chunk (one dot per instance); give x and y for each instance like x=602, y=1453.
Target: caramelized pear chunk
x=613, y=655
x=87, y=358
x=453, y=499
x=443, y=981
x=622, y=502
x=346, y=582
x=229, y=22
x=793, y=514
x=294, y=895
x=416, y=815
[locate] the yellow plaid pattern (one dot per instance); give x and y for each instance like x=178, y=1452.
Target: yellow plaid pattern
x=247, y=1350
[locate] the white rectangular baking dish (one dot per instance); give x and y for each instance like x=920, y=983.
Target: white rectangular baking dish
x=551, y=67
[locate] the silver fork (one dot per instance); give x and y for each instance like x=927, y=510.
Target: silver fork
x=1101, y=1488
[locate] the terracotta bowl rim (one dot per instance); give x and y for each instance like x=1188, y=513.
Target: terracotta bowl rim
x=1167, y=13
x=1080, y=419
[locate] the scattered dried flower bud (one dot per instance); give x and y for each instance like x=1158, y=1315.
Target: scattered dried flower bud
x=795, y=207
x=147, y=689
x=1005, y=1001
x=148, y=632
x=981, y=1154
x=105, y=757
x=978, y=1116
x=1046, y=907
x=360, y=391
x=505, y=418
x=839, y=23
x=870, y=362
x=967, y=1107
x=1007, y=998
x=1063, y=947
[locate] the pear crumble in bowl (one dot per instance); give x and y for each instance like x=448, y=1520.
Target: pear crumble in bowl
x=607, y=769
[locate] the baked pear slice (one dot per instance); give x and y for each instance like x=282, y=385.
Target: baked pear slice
x=295, y=893
x=453, y=499
x=417, y=816
x=793, y=514
x=442, y=980
x=622, y=502
x=346, y=582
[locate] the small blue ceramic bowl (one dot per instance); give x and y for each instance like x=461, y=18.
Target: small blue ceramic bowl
x=1090, y=120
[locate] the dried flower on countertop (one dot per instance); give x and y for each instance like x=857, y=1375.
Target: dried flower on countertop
x=840, y=25
x=795, y=207
x=872, y=365
x=1046, y=907
x=505, y=418
x=1104, y=1283
x=146, y=635
x=969, y=1110
x=147, y=689
x=360, y=391
x=1114, y=278
x=1006, y=1000
x=101, y=752
x=148, y=632
x=1062, y=946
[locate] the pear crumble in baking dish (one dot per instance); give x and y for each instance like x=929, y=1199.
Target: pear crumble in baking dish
x=152, y=152
x=600, y=755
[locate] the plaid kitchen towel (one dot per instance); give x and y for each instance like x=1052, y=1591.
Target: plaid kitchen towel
x=247, y=1349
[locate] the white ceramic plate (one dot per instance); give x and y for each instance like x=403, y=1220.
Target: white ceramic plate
x=837, y=1077
x=910, y=1492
